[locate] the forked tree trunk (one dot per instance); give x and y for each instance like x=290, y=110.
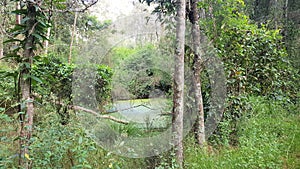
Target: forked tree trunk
x=177, y=120
x=196, y=36
x=27, y=108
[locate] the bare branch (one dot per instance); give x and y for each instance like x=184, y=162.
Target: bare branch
x=99, y=115
x=85, y=5
x=74, y=107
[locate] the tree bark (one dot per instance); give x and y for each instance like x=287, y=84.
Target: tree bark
x=177, y=119
x=275, y=14
x=72, y=37
x=197, y=66
x=18, y=17
x=1, y=44
x=47, y=41
x=286, y=19
x=27, y=107
x=1, y=31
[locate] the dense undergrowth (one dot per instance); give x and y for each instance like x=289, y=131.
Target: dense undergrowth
x=268, y=136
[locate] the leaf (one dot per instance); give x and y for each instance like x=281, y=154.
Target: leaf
x=2, y=109
x=34, y=78
x=24, y=20
x=43, y=23
x=5, y=117
x=12, y=40
x=80, y=140
x=27, y=156
x=19, y=12
x=6, y=74
x=11, y=56
x=37, y=36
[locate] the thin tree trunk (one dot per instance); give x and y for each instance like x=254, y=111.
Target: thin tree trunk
x=26, y=118
x=18, y=17
x=199, y=126
x=1, y=44
x=276, y=13
x=286, y=19
x=72, y=37
x=1, y=30
x=47, y=42
x=177, y=120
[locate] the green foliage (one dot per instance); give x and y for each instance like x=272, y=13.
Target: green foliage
x=56, y=78
x=8, y=88
x=38, y=32
x=255, y=61
x=267, y=138
x=8, y=155
x=164, y=7
x=139, y=71
x=254, y=133
x=57, y=146
x=285, y=16
x=255, y=58
x=103, y=83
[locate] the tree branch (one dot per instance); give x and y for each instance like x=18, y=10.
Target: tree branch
x=99, y=115
x=74, y=107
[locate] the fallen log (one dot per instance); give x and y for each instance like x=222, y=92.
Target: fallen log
x=79, y=108
x=99, y=115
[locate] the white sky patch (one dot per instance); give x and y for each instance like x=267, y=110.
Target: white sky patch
x=113, y=9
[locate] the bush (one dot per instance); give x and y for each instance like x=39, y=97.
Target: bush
x=56, y=77
x=8, y=88
x=140, y=73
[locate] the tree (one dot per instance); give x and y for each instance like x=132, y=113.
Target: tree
x=72, y=37
x=197, y=66
x=1, y=29
x=177, y=120
x=4, y=24
x=167, y=8
x=29, y=32
x=26, y=100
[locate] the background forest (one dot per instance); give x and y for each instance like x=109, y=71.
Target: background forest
x=44, y=43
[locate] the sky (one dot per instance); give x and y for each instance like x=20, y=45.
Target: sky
x=114, y=9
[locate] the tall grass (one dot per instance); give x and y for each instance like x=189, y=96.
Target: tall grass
x=268, y=137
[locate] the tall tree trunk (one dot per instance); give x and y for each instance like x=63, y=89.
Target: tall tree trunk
x=26, y=118
x=286, y=9
x=276, y=13
x=47, y=41
x=1, y=44
x=72, y=37
x=1, y=30
x=177, y=120
x=18, y=17
x=199, y=126
x=286, y=19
